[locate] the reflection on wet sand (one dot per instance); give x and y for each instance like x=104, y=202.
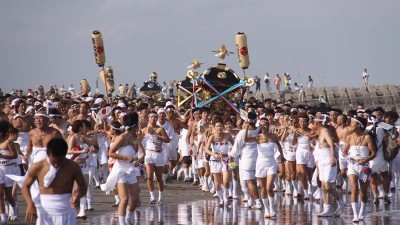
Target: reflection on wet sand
x=290, y=211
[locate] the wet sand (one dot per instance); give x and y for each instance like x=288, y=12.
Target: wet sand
x=185, y=204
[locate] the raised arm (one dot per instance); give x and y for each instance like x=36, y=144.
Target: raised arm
x=247, y=138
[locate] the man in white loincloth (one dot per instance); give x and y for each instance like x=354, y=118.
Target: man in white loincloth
x=56, y=176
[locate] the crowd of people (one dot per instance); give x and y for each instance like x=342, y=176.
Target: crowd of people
x=69, y=146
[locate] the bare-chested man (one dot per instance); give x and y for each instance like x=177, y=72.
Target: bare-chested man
x=273, y=124
x=333, y=117
x=39, y=137
x=24, y=123
x=58, y=123
x=177, y=124
x=70, y=115
x=327, y=166
x=187, y=141
x=198, y=132
x=342, y=131
x=167, y=148
x=143, y=110
x=56, y=177
x=84, y=113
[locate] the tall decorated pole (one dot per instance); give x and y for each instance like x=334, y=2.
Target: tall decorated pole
x=98, y=47
x=243, y=56
x=106, y=75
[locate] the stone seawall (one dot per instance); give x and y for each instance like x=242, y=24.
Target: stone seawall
x=346, y=98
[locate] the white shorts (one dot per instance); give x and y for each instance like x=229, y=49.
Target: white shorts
x=156, y=158
x=290, y=154
x=302, y=156
x=218, y=166
x=199, y=160
x=355, y=169
x=247, y=174
x=327, y=173
x=128, y=178
x=266, y=169
x=305, y=157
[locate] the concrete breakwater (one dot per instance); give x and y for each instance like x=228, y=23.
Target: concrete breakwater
x=386, y=95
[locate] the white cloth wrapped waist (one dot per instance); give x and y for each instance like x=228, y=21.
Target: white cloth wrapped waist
x=38, y=154
x=23, y=141
x=120, y=168
x=303, y=146
x=324, y=153
x=56, y=204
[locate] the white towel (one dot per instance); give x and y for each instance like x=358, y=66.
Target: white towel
x=50, y=175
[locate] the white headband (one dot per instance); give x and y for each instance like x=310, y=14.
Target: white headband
x=152, y=113
x=362, y=126
x=122, y=128
x=324, y=120
x=41, y=114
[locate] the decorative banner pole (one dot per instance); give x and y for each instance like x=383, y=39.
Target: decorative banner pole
x=106, y=75
x=84, y=87
x=98, y=47
x=243, y=56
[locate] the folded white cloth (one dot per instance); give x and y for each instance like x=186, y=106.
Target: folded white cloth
x=50, y=175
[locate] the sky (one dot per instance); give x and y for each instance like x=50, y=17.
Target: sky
x=49, y=42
